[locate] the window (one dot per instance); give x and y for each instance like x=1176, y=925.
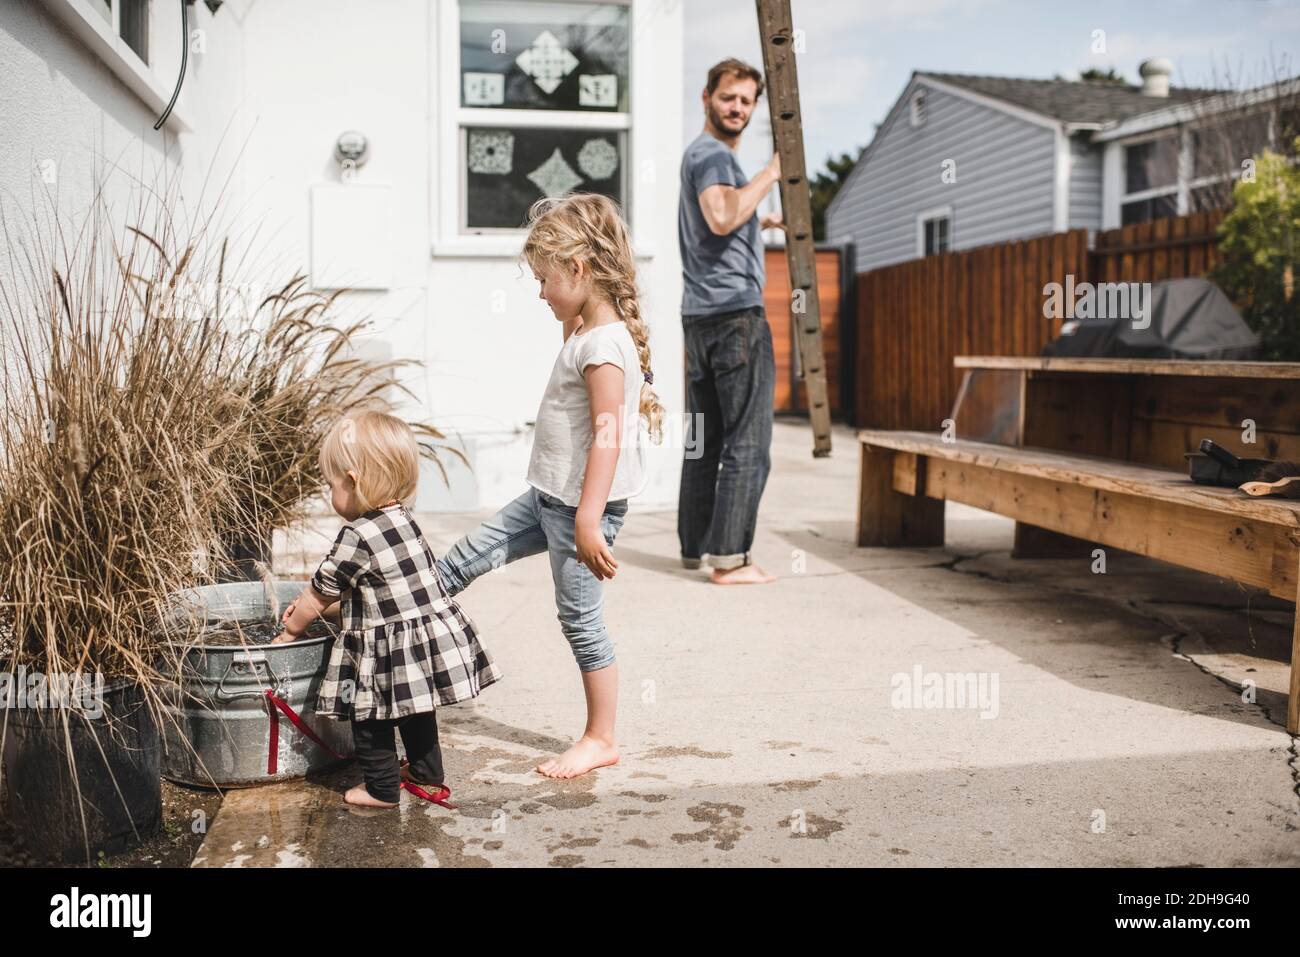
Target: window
x=544, y=56
x=1219, y=149
x=133, y=25
x=544, y=106
x=917, y=108
x=1150, y=179
x=508, y=169
x=934, y=231
x=129, y=19
x=1151, y=165
x=1145, y=210
x=118, y=32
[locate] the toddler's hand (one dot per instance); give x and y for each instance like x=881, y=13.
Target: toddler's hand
x=283, y=638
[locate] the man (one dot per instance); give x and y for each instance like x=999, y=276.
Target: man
x=731, y=371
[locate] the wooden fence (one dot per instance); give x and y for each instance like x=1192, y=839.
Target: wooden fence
x=914, y=317
x=838, y=321
x=1169, y=248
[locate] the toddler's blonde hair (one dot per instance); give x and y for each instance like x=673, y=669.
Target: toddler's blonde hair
x=588, y=226
x=380, y=449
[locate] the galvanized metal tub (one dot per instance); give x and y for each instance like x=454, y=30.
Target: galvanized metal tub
x=217, y=728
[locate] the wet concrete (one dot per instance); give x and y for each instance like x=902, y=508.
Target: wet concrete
x=765, y=725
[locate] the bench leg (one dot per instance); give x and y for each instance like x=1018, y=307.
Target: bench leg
x=1293, y=699
x=1034, y=542
x=890, y=518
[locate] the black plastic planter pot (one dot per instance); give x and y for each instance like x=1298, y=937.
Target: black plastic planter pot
x=118, y=787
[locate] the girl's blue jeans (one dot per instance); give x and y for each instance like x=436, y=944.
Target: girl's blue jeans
x=533, y=523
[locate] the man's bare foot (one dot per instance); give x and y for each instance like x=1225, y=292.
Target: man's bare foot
x=587, y=754
x=361, y=797
x=744, y=575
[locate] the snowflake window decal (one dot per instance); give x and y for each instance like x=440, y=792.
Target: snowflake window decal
x=491, y=151
x=598, y=159
x=555, y=177
x=547, y=61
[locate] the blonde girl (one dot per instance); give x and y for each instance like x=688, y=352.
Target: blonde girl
x=588, y=455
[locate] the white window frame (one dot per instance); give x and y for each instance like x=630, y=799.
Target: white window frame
x=450, y=120
x=1177, y=189
x=939, y=212
x=105, y=41
x=1116, y=172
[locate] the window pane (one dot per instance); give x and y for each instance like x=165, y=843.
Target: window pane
x=1212, y=196
x=544, y=56
x=1288, y=129
x=1145, y=210
x=508, y=169
x=935, y=235
x=133, y=24
x=1220, y=149
x=1151, y=164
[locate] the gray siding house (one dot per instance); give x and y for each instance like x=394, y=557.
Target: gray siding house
x=962, y=161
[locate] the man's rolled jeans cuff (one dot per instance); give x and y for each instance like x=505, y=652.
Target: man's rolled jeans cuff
x=725, y=563
x=692, y=563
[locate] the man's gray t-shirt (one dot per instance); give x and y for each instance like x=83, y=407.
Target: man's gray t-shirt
x=719, y=273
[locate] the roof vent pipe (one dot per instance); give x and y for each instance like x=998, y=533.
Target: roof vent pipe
x=1155, y=76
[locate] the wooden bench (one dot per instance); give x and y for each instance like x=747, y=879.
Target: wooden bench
x=907, y=476
x=1145, y=411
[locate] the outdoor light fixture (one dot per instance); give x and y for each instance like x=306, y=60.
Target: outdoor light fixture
x=351, y=151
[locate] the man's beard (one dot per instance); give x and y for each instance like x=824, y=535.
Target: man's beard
x=716, y=120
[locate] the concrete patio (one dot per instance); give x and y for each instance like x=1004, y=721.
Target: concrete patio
x=761, y=725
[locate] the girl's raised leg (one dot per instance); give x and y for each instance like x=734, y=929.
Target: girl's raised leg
x=513, y=533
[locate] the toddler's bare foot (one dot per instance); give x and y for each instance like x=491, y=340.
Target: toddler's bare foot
x=587, y=754
x=744, y=575
x=361, y=797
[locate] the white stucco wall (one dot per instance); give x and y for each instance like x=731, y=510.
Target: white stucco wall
x=267, y=99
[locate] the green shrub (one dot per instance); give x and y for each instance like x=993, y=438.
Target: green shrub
x=1259, y=248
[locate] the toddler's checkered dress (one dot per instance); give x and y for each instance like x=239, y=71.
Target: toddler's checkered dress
x=406, y=647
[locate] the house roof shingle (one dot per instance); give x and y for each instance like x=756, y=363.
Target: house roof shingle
x=1071, y=101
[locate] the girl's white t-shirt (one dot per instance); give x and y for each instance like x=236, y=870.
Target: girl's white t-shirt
x=563, y=435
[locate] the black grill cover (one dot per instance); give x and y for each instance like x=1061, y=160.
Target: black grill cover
x=1190, y=319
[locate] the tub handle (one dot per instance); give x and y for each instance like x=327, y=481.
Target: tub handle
x=255, y=663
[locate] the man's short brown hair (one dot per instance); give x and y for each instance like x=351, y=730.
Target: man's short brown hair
x=739, y=68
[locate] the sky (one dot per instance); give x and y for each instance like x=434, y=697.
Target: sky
x=859, y=54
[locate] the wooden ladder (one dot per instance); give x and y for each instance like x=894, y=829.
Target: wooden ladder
x=777, y=36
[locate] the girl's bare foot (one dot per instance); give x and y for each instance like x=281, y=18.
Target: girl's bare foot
x=361, y=797
x=744, y=575
x=587, y=754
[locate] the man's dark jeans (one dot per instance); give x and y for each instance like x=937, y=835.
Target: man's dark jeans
x=731, y=375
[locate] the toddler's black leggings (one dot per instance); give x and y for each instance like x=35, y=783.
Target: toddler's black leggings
x=377, y=753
